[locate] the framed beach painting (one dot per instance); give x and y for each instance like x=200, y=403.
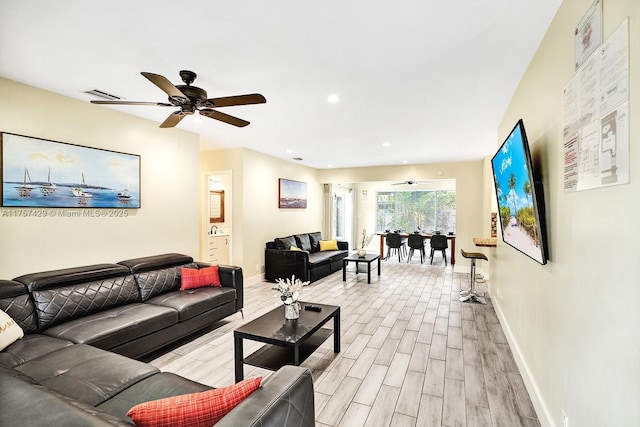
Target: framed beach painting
x=292, y=194
x=48, y=174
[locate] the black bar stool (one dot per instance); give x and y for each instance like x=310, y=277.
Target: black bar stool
x=470, y=294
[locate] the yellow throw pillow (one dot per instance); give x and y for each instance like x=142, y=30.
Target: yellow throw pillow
x=328, y=245
x=294, y=248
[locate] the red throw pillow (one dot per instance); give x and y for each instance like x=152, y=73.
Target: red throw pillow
x=195, y=409
x=192, y=278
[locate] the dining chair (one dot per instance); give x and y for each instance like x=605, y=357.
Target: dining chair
x=439, y=243
x=394, y=244
x=416, y=243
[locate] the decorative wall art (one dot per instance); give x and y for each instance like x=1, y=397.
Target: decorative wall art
x=48, y=174
x=292, y=194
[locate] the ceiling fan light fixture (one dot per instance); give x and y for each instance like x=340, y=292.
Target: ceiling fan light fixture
x=188, y=99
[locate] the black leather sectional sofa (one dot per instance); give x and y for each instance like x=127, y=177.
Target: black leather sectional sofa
x=84, y=326
x=308, y=264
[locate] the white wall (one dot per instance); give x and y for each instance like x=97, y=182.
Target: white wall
x=573, y=323
x=469, y=194
x=168, y=219
x=366, y=209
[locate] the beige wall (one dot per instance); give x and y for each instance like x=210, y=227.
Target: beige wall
x=573, y=323
x=256, y=216
x=168, y=220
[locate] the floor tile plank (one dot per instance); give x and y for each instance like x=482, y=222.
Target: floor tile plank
x=412, y=354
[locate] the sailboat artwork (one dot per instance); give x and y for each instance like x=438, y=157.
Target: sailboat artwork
x=24, y=189
x=49, y=188
x=48, y=174
x=79, y=192
x=124, y=195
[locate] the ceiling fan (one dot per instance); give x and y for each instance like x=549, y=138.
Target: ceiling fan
x=411, y=183
x=191, y=99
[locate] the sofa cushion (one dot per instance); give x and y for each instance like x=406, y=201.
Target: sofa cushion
x=30, y=347
x=86, y=373
x=325, y=257
x=10, y=331
x=193, y=410
x=156, y=262
x=285, y=242
x=26, y=404
x=303, y=242
x=314, y=240
x=15, y=301
x=67, y=302
x=192, y=278
x=192, y=302
x=116, y=326
x=159, y=386
x=156, y=282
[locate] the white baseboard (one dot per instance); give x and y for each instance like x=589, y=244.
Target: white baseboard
x=254, y=279
x=534, y=392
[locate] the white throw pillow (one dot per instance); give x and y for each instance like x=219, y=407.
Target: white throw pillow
x=10, y=331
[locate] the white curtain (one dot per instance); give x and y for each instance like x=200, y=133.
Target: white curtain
x=327, y=227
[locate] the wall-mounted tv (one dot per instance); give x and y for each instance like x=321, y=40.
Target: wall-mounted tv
x=520, y=196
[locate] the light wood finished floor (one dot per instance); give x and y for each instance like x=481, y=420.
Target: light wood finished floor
x=412, y=354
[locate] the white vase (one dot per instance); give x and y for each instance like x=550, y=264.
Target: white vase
x=292, y=311
x=362, y=253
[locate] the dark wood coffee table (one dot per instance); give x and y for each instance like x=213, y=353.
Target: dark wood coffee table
x=287, y=342
x=367, y=259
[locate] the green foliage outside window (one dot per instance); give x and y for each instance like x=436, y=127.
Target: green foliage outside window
x=416, y=211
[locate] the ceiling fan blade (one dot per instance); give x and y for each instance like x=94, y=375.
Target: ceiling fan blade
x=165, y=85
x=173, y=119
x=213, y=114
x=229, y=101
x=157, y=104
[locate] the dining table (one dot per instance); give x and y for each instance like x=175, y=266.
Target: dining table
x=425, y=236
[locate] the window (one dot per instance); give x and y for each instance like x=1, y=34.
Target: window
x=416, y=210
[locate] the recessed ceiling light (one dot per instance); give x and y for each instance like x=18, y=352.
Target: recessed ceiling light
x=329, y=165
x=333, y=99
x=404, y=162
x=386, y=144
x=289, y=151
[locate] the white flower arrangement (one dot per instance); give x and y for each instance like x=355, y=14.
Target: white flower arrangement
x=289, y=289
x=366, y=239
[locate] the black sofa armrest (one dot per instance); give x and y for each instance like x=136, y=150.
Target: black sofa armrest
x=284, y=263
x=285, y=399
x=231, y=277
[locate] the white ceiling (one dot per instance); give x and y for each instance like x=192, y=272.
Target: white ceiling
x=431, y=78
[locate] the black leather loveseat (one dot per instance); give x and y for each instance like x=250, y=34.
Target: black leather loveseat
x=307, y=262
x=66, y=370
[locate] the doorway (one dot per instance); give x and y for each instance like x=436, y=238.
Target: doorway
x=216, y=240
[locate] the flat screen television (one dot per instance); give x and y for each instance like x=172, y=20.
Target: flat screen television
x=520, y=196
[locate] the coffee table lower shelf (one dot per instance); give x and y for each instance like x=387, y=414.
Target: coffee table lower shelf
x=273, y=357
